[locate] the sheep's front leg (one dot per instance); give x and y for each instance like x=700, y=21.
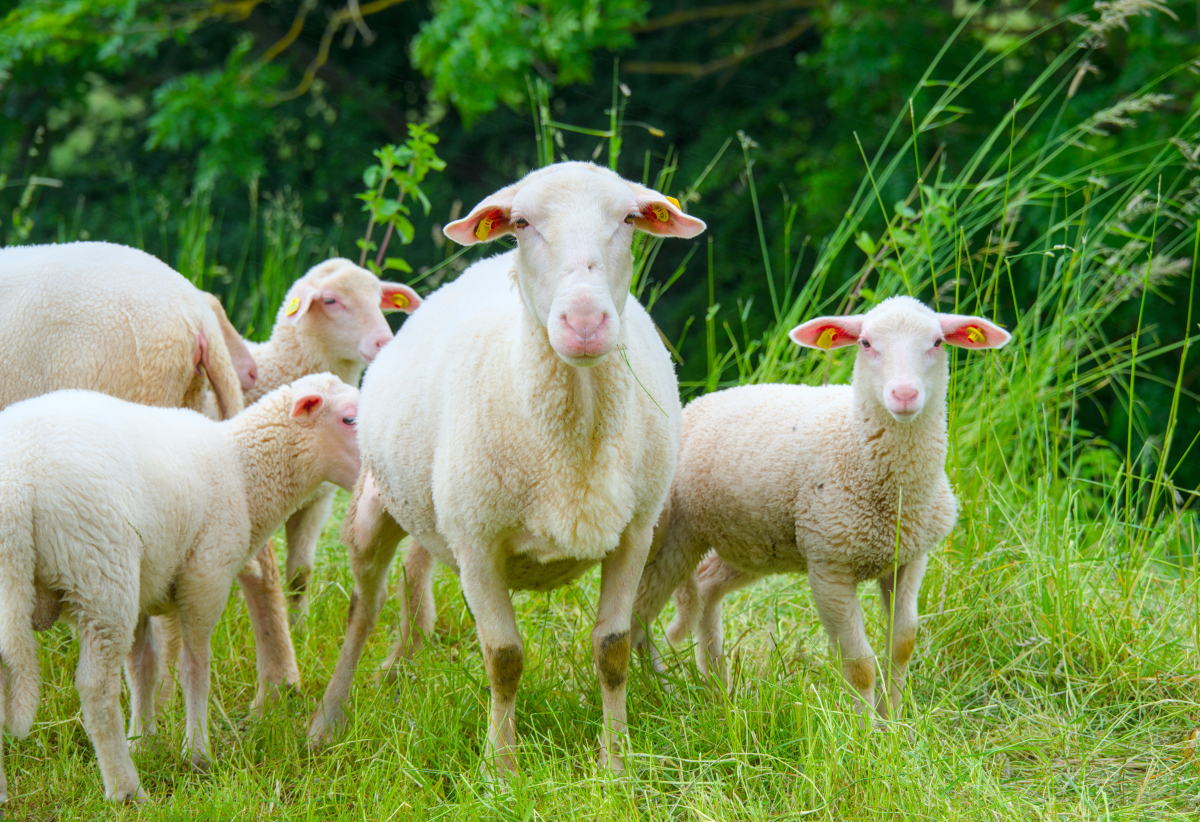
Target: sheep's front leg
x=619, y=575
x=371, y=536
x=303, y=529
x=841, y=616
x=417, y=608
x=273, y=650
x=714, y=579
x=900, y=611
x=141, y=674
x=98, y=680
x=485, y=587
x=3, y=697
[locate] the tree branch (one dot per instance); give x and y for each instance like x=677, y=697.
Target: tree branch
x=702, y=69
x=679, y=18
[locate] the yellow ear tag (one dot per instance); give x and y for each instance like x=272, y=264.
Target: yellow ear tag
x=661, y=214
x=400, y=301
x=827, y=338
x=293, y=306
x=975, y=335
x=484, y=228
x=674, y=202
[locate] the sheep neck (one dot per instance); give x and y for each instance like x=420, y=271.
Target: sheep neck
x=907, y=456
x=287, y=356
x=275, y=469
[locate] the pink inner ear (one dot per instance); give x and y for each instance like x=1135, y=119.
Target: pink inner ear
x=398, y=297
x=306, y=405
x=827, y=333
x=973, y=332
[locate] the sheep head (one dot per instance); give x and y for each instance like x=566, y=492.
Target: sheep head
x=327, y=409
x=901, y=361
x=574, y=226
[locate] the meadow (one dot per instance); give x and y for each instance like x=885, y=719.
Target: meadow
x=1056, y=672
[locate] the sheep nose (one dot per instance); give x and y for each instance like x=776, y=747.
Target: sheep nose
x=585, y=325
x=904, y=394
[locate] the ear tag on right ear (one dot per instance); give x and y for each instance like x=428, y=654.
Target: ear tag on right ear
x=485, y=227
x=827, y=338
x=293, y=306
x=661, y=214
x=400, y=300
x=975, y=335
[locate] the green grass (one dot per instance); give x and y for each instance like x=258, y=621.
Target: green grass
x=1056, y=673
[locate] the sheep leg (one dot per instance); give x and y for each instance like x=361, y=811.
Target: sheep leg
x=673, y=555
x=371, y=536
x=165, y=636
x=714, y=579
x=98, y=680
x=485, y=588
x=3, y=697
x=841, y=616
x=417, y=608
x=303, y=529
x=195, y=673
x=900, y=612
x=141, y=674
x=275, y=655
x=619, y=575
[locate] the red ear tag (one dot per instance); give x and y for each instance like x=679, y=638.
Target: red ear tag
x=975, y=335
x=293, y=306
x=828, y=336
x=400, y=300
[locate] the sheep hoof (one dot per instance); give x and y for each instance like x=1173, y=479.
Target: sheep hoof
x=129, y=795
x=322, y=729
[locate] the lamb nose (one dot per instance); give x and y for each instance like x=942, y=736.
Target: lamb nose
x=905, y=393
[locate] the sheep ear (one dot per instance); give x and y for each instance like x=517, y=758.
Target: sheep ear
x=828, y=332
x=399, y=297
x=661, y=215
x=298, y=300
x=487, y=221
x=306, y=405
x=972, y=332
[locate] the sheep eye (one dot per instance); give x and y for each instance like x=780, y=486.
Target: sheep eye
x=865, y=344
x=349, y=420
x=629, y=219
x=520, y=222
x=329, y=300
x=938, y=343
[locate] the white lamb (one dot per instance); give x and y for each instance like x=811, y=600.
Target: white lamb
x=522, y=427
x=113, y=319
x=111, y=511
x=846, y=483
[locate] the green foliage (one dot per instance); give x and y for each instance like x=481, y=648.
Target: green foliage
x=406, y=167
x=479, y=52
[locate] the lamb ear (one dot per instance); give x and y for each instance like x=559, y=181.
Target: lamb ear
x=487, y=221
x=299, y=298
x=661, y=215
x=306, y=405
x=828, y=332
x=399, y=297
x=972, y=332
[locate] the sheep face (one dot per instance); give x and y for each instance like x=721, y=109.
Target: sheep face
x=574, y=226
x=901, y=362
x=328, y=409
x=340, y=307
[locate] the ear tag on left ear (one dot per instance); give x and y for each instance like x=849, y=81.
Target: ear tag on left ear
x=293, y=306
x=827, y=338
x=485, y=227
x=400, y=300
x=975, y=335
x=673, y=202
x=661, y=214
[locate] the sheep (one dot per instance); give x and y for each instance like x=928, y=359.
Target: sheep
x=522, y=427
x=846, y=483
x=113, y=319
x=111, y=512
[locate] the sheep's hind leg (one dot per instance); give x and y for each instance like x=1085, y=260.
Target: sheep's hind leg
x=901, y=615
x=371, y=536
x=417, y=608
x=3, y=696
x=841, y=616
x=275, y=656
x=141, y=674
x=303, y=529
x=165, y=636
x=98, y=680
x=672, y=558
x=713, y=580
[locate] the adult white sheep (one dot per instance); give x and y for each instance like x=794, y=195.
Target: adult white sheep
x=845, y=482
x=111, y=511
x=522, y=427
x=114, y=319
